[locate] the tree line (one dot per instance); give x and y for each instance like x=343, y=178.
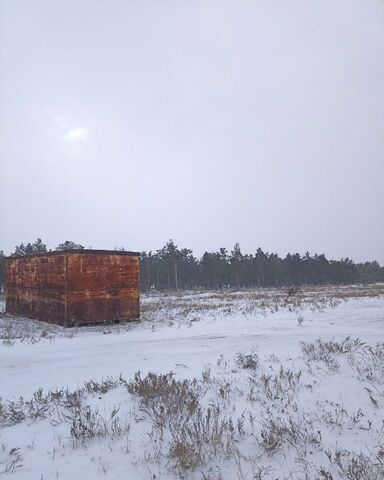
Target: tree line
x=172, y=267
x=177, y=268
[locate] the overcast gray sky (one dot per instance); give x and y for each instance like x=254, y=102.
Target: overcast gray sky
x=129, y=122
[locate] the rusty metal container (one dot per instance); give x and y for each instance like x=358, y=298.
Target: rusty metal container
x=74, y=287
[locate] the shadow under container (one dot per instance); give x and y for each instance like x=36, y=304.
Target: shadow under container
x=74, y=287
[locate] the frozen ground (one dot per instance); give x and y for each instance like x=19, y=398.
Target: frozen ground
x=266, y=384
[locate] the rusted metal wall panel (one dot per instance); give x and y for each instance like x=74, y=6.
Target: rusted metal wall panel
x=103, y=287
x=74, y=288
x=35, y=287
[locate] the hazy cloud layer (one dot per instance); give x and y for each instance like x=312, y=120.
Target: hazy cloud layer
x=211, y=122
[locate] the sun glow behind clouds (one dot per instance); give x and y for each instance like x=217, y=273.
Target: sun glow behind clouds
x=77, y=135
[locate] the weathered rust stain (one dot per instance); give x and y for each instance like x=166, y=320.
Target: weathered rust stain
x=75, y=287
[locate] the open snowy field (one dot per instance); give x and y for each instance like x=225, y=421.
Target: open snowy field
x=259, y=384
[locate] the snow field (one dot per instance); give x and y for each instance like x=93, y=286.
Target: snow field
x=238, y=385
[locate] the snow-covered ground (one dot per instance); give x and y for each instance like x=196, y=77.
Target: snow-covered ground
x=266, y=384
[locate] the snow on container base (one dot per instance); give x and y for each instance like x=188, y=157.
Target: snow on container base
x=74, y=287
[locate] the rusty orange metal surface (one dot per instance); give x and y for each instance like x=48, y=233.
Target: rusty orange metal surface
x=75, y=287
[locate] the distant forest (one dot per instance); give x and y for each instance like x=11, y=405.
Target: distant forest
x=172, y=267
